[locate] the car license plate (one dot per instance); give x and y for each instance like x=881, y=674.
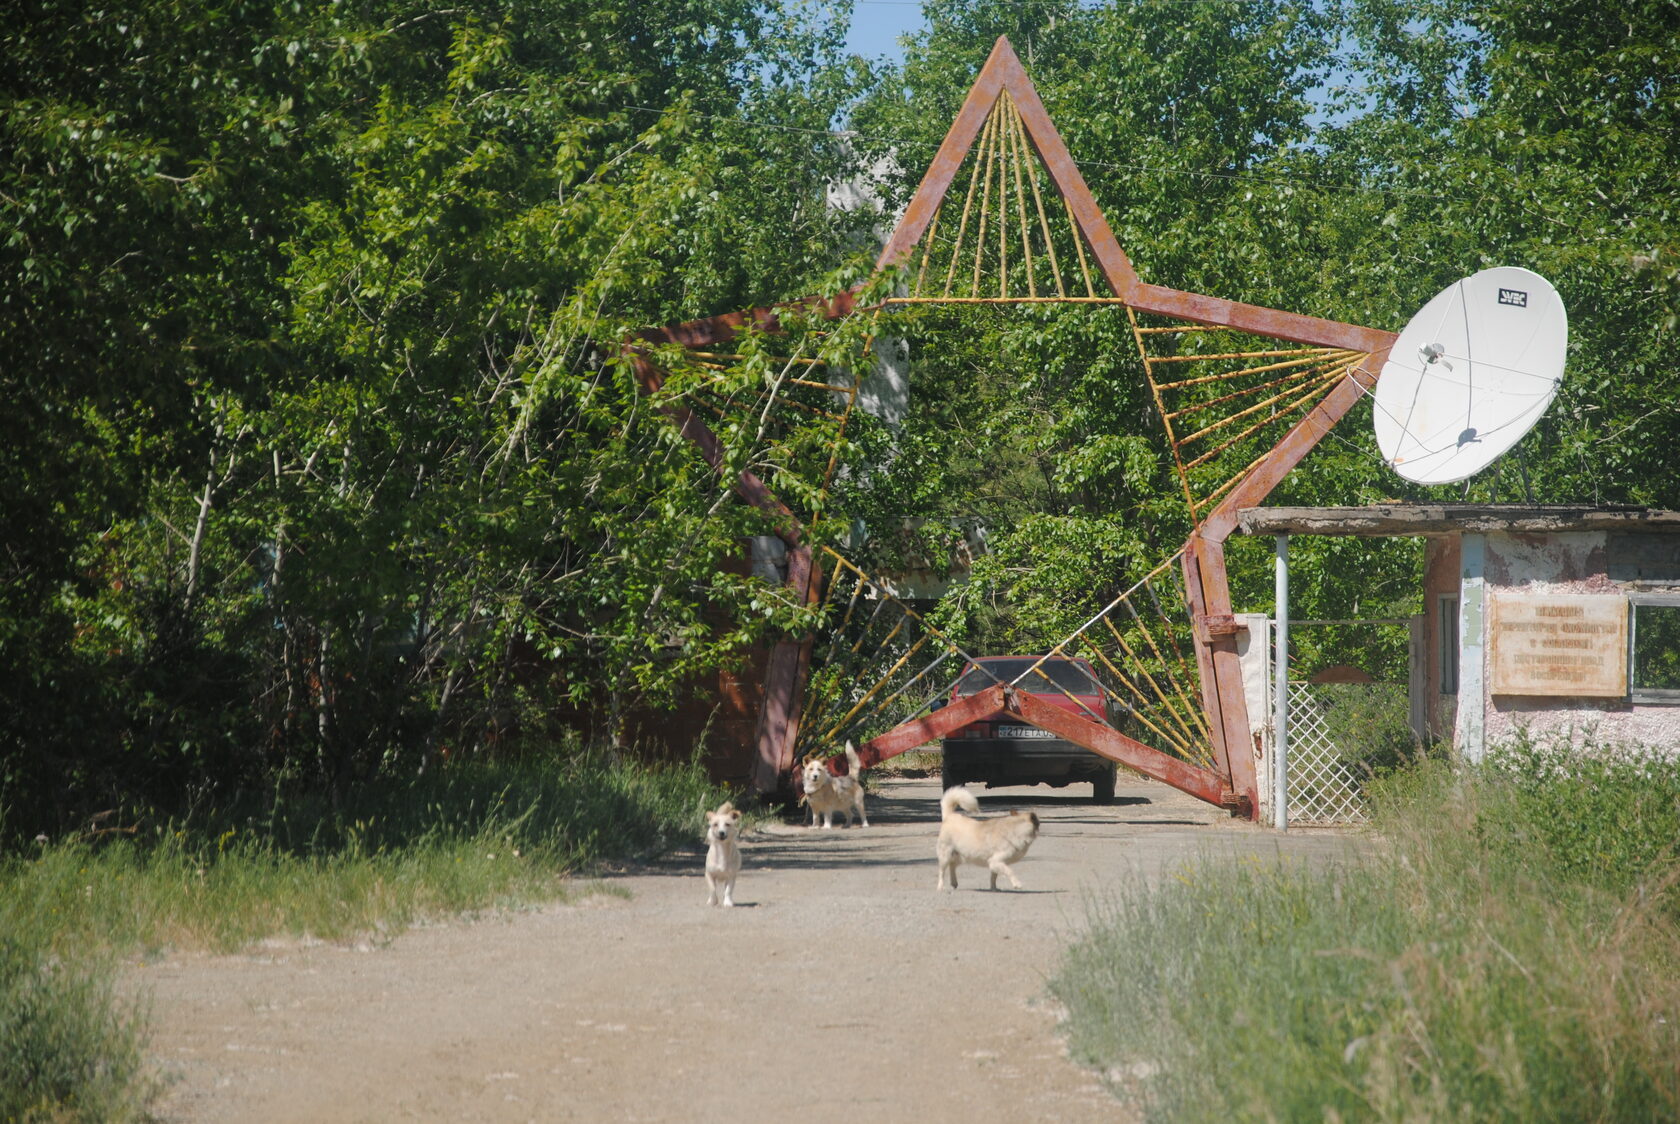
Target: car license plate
x=1023, y=732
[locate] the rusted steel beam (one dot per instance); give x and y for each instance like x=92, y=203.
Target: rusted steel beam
x=784, y=684
x=1294, y=446
x=917, y=731
x=1064, y=173
x=1261, y=321
x=1222, y=689
x=747, y=485
x=1207, y=584
x=720, y=329
x=930, y=193
x=1203, y=784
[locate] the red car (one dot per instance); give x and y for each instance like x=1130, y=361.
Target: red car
x=1002, y=750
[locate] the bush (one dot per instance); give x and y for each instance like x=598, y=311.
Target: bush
x=69, y=1050
x=1599, y=812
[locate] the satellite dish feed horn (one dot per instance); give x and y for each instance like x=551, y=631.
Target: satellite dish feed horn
x=1470, y=374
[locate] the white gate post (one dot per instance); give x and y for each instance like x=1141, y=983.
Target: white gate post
x=1280, y=692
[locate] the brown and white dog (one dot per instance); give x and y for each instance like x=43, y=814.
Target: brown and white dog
x=992, y=843
x=723, y=853
x=825, y=794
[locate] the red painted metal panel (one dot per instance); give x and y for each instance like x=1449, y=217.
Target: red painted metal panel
x=917, y=731
x=1204, y=784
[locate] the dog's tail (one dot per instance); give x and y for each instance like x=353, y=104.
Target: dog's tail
x=957, y=798
x=853, y=761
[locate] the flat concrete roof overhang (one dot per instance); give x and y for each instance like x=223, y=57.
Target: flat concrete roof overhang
x=1386, y=520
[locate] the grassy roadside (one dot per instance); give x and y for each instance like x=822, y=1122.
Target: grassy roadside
x=1510, y=951
x=472, y=837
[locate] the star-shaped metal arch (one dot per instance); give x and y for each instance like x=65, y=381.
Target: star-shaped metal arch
x=1206, y=581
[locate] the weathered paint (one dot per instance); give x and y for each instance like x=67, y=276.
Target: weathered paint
x=1558, y=645
x=1565, y=564
x=1204, y=784
x=919, y=731
x=1441, y=578
x=1469, y=730
x=1254, y=657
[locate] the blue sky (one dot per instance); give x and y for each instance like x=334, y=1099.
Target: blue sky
x=877, y=24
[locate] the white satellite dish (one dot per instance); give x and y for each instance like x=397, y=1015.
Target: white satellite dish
x=1470, y=374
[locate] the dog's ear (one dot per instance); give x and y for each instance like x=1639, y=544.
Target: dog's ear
x=734, y=816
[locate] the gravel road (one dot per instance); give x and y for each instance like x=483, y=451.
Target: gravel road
x=842, y=986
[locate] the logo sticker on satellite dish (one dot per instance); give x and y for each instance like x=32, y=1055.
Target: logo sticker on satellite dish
x=1465, y=379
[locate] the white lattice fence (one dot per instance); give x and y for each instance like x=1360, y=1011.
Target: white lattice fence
x=1325, y=787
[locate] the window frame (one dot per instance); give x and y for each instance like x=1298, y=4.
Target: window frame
x=1447, y=643
x=1648, y=696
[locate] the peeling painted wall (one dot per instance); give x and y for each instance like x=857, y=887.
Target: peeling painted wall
x=1537, y=565
x=1440, y=580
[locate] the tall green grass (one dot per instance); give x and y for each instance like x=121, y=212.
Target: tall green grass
x=471, y=837
x=466, y=838
x=1470, y=964
x=70, y=1049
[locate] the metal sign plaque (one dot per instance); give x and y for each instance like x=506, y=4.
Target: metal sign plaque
x=1559, y=644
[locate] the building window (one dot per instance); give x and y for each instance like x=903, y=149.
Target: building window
x=1447, y=631
x=1654, y=663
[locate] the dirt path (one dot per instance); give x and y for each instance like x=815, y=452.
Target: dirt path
x=841, y=984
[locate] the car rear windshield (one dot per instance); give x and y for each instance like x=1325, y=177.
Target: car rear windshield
x=1066, y=674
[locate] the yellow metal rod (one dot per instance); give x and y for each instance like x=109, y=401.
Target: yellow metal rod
x=1198, y=407
x=1038, y=201
x=1240, y=355
x=1318, y=359
x=968, y=204
x=985, y=204
x=1160, y=694
x=1319, y=387
x=1016, y=159
x=1161, y=408
x=1181, y=746
x=879, y=684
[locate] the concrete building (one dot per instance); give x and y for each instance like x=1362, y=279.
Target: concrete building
x=1561, y=620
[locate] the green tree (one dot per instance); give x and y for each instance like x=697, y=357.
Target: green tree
x=323, y=456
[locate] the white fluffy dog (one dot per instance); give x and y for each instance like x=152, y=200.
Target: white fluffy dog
x=992, y=843
x=826, y=794
x=723, y=853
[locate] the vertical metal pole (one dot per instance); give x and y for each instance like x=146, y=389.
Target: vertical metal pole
x=1280, y=688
